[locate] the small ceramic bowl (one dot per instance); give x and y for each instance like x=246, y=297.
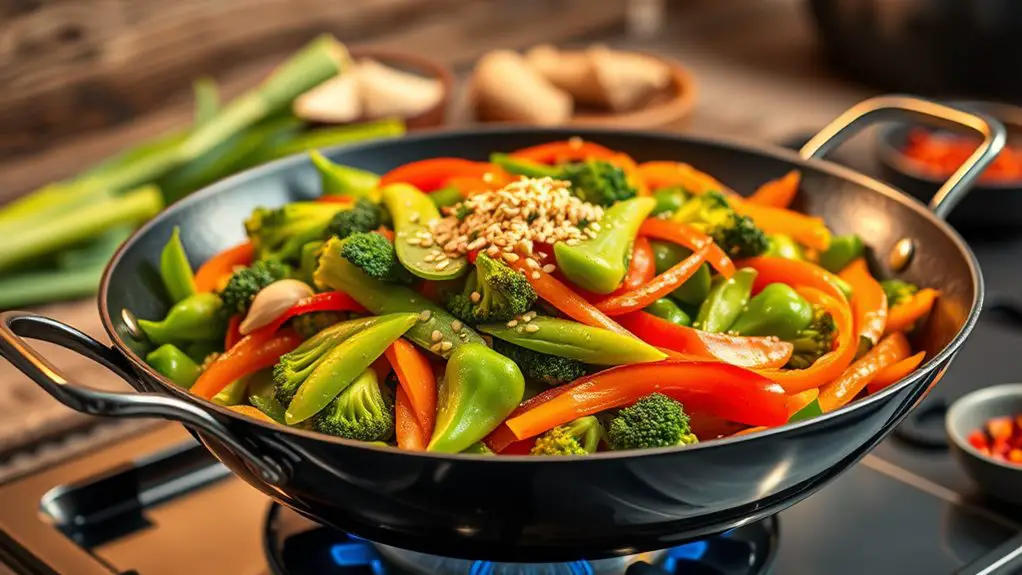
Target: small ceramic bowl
x=971, y=412
x=991, y=206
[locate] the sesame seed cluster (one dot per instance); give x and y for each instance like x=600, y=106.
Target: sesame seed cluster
x=509, y=222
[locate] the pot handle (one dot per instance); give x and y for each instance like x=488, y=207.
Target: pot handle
x=883, y=108
x=16, y=326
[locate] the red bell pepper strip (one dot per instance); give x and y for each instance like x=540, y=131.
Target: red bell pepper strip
x=335, y=199
x=416, y=379
x=502, y=438
x=408, y=432
x=747, y=352
x=798, y=401
x=719, y=389
x=571, y=150
x=903, y=316
x=661, y=174
x=691, y=238
x=326, y=301
x=896, y=372
x=389, y=234
x=257, y=350
x=794, y=273
x=777, y=193
x=806, y=230
x=233, y=331
x=839, y=392
x=869, y=304
x=432, y=174
x=570, y=303
x=656, y=288
x=494, y=179
x=215, y=269
x=831, y=364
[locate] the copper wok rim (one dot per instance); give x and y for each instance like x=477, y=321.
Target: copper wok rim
x=783, y=154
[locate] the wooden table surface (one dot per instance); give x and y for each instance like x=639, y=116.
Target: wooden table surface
x=758, y=74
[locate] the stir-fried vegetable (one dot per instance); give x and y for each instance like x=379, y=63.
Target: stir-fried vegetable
x=605, y=293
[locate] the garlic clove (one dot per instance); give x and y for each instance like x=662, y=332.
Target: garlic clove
x=272, y=301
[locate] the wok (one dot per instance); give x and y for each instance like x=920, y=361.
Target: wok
x=523, y=508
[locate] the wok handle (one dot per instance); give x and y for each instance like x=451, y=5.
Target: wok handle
x=16, y=326
x=885, y=108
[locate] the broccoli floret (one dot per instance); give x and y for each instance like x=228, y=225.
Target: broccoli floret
x=579, y=437
x=309, y=324
x=503, y=293
x=598, y=182
x=543, y=367
x=898, y=291
x=364, y=216
x=813, y=341
x=245, y=283
x=736, y=234
x=376, y=257
x=653, y=421
x=360, y=412
x=292, y=369
x=279, y=234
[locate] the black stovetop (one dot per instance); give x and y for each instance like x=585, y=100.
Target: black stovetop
x=158, y=504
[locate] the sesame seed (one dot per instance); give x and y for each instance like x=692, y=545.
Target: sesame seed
x=512, y=323
x=435, y=348
x=443, y=263
x=424, y=316
x=530, y=314
x=436, y=335
x=475, y=297
x=532, y=263
x=429, y=258
x=511, y=257
x=535, y=275
x=532, y=328
x=446, y=346
x=492, y=251
x=413, y=241
x=549, y=268
x=414, y=217
x=456, y=325
x=526, y=318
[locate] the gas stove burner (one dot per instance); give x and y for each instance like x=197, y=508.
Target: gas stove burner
x=297, y=546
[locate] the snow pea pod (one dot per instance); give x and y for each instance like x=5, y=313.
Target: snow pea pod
x=668, y=200
x=778, y=310
x=573, y=340
x=344, y=363
x=196, y=318
x=412, y=211
x=666, y=308
x=842, y=250
x=599, y=264
x=783, y=246
x=174, y=364
x=479, y=390
x=692, y=292
x=725, y=302
x=175, y=271
x=338, y=180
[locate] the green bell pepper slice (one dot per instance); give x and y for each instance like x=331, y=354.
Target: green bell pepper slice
x=599, y=264
x=343, y=364
x=783, y=246
x=412, y=211
x=169, y=361
x=335, y=272
x=527, y=168
x=666, y=308
x=692, y=292
x=196, y=318
x=233, y=394
x=446, y=197
x=842, y=250
x=573, y=340
x=778, y=310
x=175, y=271
x=669, y=200
x=338, y=180
x=479, y=390
x=725, y=302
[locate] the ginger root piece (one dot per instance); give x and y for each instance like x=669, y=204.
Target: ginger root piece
x=506, y=88
x=335, y=101
x=387, y=92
